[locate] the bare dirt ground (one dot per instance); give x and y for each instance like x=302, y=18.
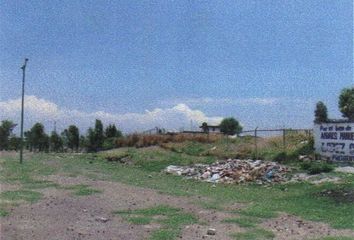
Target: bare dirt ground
x=61, y=215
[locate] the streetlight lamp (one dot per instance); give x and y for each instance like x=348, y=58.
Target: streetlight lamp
x=22, y=106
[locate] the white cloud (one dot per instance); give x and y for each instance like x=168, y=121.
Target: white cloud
x=207, y=101
x=41, y=110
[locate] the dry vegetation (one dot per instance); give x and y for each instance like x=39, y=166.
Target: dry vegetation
x=140, y=140
x=221, y=146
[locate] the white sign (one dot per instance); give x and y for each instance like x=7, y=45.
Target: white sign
x=335, y=141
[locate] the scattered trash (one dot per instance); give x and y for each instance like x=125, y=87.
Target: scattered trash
x=125, y=159
x=233, y=171
x=314, y=179
x=214, y=178
x=339, y=195
x=305, y=158
x=102, y=219
x=347, y=169
x=211, y=231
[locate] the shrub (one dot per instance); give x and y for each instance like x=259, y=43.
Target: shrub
x=109, y=143
x=316, y=167
x=280, y=157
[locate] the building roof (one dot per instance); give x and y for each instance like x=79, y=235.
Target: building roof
x=211, y=126
x=343, y=120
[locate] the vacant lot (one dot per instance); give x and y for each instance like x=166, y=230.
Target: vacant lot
x=84, y=196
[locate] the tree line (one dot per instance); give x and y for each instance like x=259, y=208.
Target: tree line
x=345, y=105
x=97, y=138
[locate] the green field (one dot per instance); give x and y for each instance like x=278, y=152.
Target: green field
x=143, y=168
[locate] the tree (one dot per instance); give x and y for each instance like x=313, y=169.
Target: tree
x=112, y=131
x=82, y=142
x=99, y=135
x=28, y=140
x=205, y=127
x=6, y=128
x=37, y=138
x=56, y=143
x=111, y=135
x=14, y=143
x=346, y=103
x=230, y=126
x=91, y=141
x=73, y=137
x=95, y=137
x=321, y=113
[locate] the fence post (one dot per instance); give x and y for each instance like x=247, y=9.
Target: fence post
x=255, y=142
x=284, y=140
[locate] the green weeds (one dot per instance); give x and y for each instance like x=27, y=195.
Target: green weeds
x=20, y=195
x=82, y=190
x=254, y=234
x=261, y=201
x=246, y=222
x=3, y=213
x=171, y=220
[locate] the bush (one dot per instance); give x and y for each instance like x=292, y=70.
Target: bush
x=316, y=167
x=109, y=143
x=280, y=157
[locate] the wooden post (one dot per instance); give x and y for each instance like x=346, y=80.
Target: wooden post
x=255, y=142
x=284, y=142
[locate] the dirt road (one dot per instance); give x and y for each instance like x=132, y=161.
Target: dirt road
x=61, y=215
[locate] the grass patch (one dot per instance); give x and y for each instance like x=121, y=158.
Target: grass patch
x=13, y=171
x=254, y=234
x=39, y=184
x=171, y=220
x=21, y=195
x=86, y=191
x=257, y=212
x=243, y=221
x=140, y=220
x=317, y=167
x=214, y=205
x=264, y=202
x=82, y=190
x=156, y=159
x=3, y=212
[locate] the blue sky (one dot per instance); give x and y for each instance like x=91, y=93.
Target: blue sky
x=264, y=62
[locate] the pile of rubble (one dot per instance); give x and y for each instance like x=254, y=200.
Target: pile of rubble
x=234, y=171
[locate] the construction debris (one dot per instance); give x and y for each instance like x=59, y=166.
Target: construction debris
x=124, y=159
x=211, y=231
x=102, y=219
x=346, y=169
x=314, y=178
x=234, y=171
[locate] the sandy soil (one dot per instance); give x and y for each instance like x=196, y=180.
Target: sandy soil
x=292, y=228
x=60, y=215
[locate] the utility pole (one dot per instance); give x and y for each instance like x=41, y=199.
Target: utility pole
x=255, y=142
x=22, y=106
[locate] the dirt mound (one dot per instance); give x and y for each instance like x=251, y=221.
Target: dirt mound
x=339, y=195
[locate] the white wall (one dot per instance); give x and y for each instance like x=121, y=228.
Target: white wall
x=335, y=140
